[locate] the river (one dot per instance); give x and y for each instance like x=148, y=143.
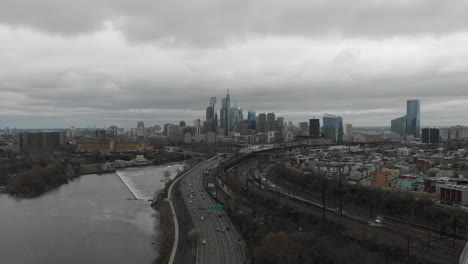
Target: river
x=89, y=220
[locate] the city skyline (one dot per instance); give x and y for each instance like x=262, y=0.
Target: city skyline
x=130, y=123
x=119, y=63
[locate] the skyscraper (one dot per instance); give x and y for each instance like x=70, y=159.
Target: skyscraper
x=398, y=126
x=280, y=121
x=224, y=113
x=252, y=118
x=333, y=128
x=349, y=132
x=209, y=113
x=303, y=128
x=314, y=128
x=413, y=117
x=261, y=123
x=271, y=122
x=235, y=115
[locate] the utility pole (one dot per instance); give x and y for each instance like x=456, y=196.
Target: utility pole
x=428, y=241
x=454, y=229
x=341, y=194
x=323, y=195
x=407, y=249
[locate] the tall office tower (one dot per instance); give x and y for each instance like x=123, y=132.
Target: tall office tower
x=349, y=132
x=398, y=126
x=235, y=115
x=140, y=131
x=197, y=123
x=271, y=122
x=303, y=128
x=413, y=117
x=314, y=128
x=261, y=123
x=165, y=130
x=280, y=121
x=213, y=103
x=252, y=118
x=209, y=113
x=430, y=135
x=224, y=113
x=181, y=123
x=333, y=128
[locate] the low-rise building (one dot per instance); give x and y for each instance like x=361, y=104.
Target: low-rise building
x=454, y=194
x=113, y=146
x=384, y=177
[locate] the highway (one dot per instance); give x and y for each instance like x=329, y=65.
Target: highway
x=218, y=241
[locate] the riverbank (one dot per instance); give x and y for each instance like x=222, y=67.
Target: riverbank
x=163, y=206
x=166, y=228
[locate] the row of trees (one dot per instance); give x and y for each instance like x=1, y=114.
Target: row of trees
x=270, y=228
x=39, y=179
x=382, y=201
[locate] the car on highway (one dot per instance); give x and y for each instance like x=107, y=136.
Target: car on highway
x=202, y=218
x=204, y=241
x=376, y=222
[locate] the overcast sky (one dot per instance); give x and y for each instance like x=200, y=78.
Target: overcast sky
x=105, y=62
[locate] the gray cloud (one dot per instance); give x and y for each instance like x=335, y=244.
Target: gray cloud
x=103, y=62
x=203, y=22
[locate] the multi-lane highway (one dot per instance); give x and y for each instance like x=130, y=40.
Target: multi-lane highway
x=218, y=241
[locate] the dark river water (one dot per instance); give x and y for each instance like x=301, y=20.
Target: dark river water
x=89, y=220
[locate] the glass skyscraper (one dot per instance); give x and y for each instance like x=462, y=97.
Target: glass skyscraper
x=413, y=117
x=399, y=126
x=224, y=113
x=333, y=128
x=252, y=118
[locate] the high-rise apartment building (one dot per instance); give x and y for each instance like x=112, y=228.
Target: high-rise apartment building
x=38, y=141
x=349, y=132
x=430, y=135
x=333, y=128
x=314, y=128
x=261, y=123
x=303, y=128
x=271, y=122
x=413, y=117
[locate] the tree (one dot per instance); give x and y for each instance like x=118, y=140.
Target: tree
x=167, y=175
x=279, y=248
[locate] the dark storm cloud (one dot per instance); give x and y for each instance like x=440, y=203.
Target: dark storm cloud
x=102, y=62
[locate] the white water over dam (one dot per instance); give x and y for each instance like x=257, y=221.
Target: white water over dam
x=142, y=182
x=133, y=190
